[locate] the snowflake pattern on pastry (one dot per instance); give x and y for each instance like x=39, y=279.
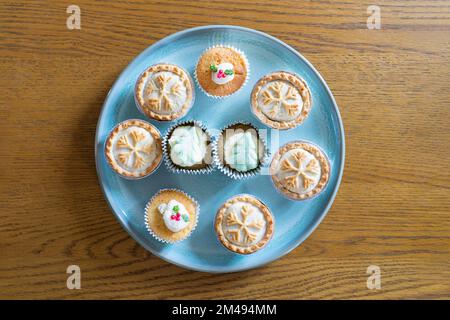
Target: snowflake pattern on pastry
x=175, y=215
x=299, y=171
x=244, y=225
x=134, y=149
x=280, y=100
x=165, y=92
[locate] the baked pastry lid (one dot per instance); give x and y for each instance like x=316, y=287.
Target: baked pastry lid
x=301, y=86
x=150, y=230
x=139, y=101
x=270, y=224
x=122, y=126
x=320, y=156
x=227, y=170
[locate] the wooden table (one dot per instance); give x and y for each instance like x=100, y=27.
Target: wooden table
x=392, y=210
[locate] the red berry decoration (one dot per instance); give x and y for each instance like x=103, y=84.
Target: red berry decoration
x=220, y=74
x=176, y=216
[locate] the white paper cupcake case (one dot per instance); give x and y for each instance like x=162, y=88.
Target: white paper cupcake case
x=234, y=173
x=172, y=167
x=246, y=78
x=149, y=229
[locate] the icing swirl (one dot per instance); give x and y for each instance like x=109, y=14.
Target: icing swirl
x=241, y=151
x=187, y=146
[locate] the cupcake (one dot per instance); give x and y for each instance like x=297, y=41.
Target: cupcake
x=133, y=149
x=240, y=151
x=281, y=100
x=244, y=224
x=187, y=148
x=171, y=215
x=221, y=71
x=164, y=92
x=300, y=170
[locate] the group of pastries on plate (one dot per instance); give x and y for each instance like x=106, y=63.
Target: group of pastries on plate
x=166, y=92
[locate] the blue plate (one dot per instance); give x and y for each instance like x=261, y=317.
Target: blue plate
x=294, y=220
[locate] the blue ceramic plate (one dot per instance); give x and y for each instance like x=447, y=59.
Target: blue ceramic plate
x=294, y=220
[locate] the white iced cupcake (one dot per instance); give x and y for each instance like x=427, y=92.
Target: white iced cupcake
x=171, y=215
x=187, y=148
x=240, y=151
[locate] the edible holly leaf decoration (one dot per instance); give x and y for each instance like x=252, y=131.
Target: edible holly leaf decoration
x=228, y=72
x=185, y=217
x=213, y=68
x=176, y=208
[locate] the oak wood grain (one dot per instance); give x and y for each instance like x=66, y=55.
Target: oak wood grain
x=392, y=210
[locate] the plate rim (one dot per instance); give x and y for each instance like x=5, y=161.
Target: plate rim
x=309, y=230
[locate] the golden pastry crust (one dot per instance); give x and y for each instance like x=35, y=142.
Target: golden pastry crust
x=298, y=83
x=318, y=154
x=154, y=219
x=144, y=105
x=122, y=126
x=218, y=55
x=270, y=224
